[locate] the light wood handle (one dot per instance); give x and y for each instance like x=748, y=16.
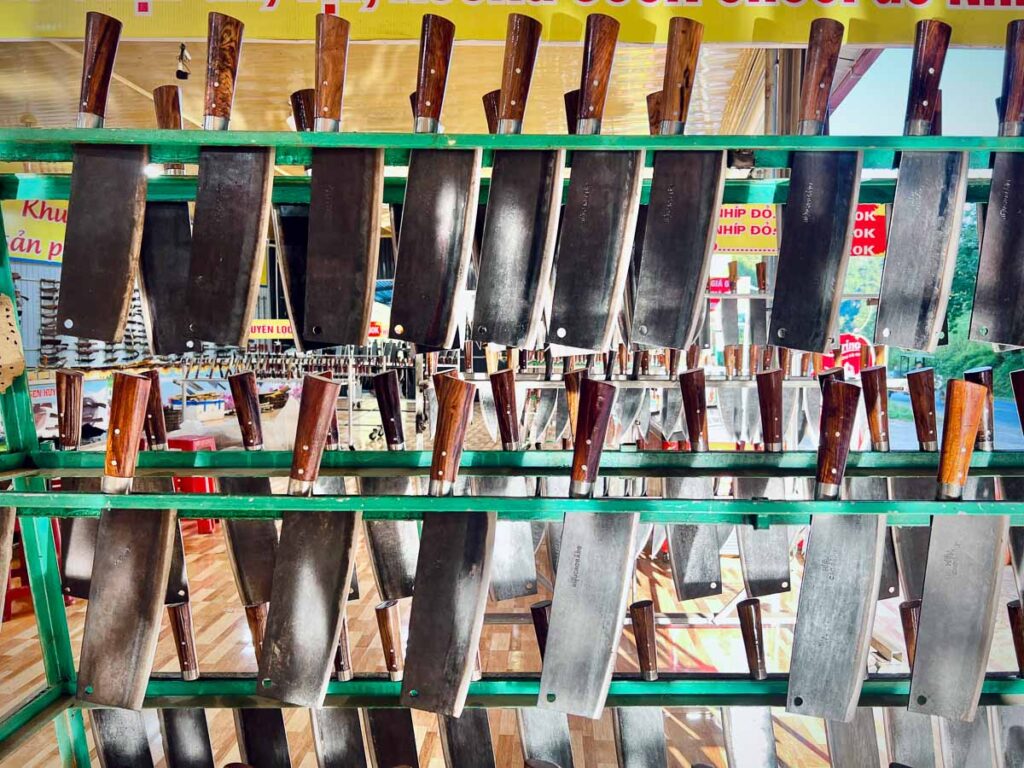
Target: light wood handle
x=437, y=37
x=332, y=33
x=167, y=104
x=224, y=50
x=684, y=40
x=965, y=405
x=128, y=403
x=598, y=51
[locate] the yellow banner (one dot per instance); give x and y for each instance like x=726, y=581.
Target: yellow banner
x=753, y=230
x=278, y=328
x=767, y=22
x=35, y=228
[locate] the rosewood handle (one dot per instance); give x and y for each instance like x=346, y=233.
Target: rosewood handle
x=389, y=625
x=572, y=108
x=731, y=356
x=167, y=104
x=343, y=654
x=785, y=361
x=304, y=109
x=931, y=40
x=69, y=409
x=522, y=40
x=183, y=632
x=965, y=405
x=598, y=51
x=1016, y=614
x=654, y=101
x=692, y=355
x=749, y=611
x=734, y=276
x=389, y=401
x=921, y=384
x=331, y=57
x=437, y=36
x=876, y=403
x=986, y=429
x=127, y=413
x=247, y=409
x=333, y=433
x=595, y=410
x=503, y=387
x=823, y=47
x=838, y=412
x=769, y=399
x=222, y=55
x=673, y=362
x=910, y=618
x=490, y=101
x=256, y=617
x=832, y=374
x=454, y=405
x=155, y=425
x=1017, y=383
x=573, y=383
x=642, y=615
x=684, y=39
x=762, y=276
x=695, y=408
x=1013, y=81
x=316, y=407
x=102, y=34
x=541, y=615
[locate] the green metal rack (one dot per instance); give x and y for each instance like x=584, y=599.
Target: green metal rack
x=27, y=466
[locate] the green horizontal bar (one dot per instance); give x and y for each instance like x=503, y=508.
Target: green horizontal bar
x=507, y=691
x=31, y=709
x=734, y=511
x=624, y=463
x=295, y=189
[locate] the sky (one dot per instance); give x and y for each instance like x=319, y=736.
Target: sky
x=971, y=80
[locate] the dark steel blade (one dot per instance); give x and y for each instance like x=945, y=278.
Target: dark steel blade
x=438, y=218
x=513, y=566
x=186, y=738
x=121, y=740
x=262, y=740
x=466, y=740
x=337, y=738
x=291, y=233
x=817, y=228
x=394, y=544
x=594, y=247
x=686, y=192
x=102, y=240
x=640, y=737
x=163, y=275
x=924, y=232
x=251, y=544
x=694, y=549
x=344, y=235
x=390, y=738
x=230, y=226
x=544, y=735
x=517, y=251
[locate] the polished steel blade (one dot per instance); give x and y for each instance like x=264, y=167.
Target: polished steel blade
x=764, y=553
x=968, y=745
x=877, y=489
x=394, y=544
x=544, y=735
x=751, y=415
x=488, y=411
x=640, y=737
x=513, y=566
x=1010, y=721
x=186, y=738
x=911, y=542
x=749, y=737
x=911, y=739
x=671, y=411
x=853, y=744
x=542, y=416
x=694, y=549
x=730, y=408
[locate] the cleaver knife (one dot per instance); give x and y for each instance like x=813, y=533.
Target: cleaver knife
x=232, y=208
x=130, y=569
x=435, y=241
x=640, y=731
x=962, y=578
x=312, y=570
x=345, y=198
x=121, y=739
x=749, y=737
x=843, y=565
x=910, y=737
x=853, y=743
x=924, y=228
x=186, y=738
x=592, y=584
x=106, y=207
x=595, y=241
x=452, y=573
x=819, y=213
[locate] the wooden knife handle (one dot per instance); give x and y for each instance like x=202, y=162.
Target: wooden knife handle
x=167, y=104
x=522, y=40
x=751, y=628
x=769, y=398
x=343, y=654
x=695, y=408
x=572, y=108
x=503, y=387
x=316, y=407
x=155, y=425
x=838, y=412
x=247, y=409
x=910, y=618
x=389, y=625
x=734, y=276
x=1012, y=119
x=389, y=402
x=256, y=618
x=331, y=57
x=986, y=429
x=573, y=383
x=491, y=100
x=785, y=361
x=541, y=614
x=304, y=109
x=931, y=40
x=69, y=409
x=672, y=360
x=1016, y=613
x=598, y=51
x=754, y=354
x=692, y=355
x=222, y=56
x=965, y=405
x=128, y=403
x=731, y=356
x=454, y=405
x=184, y=634
x=622, y=357
x=1017, y=383
x=654, y=101
x=333, y=433
x=102, y=34
x=684, y=40
x=642, y=615
x=837, y=374
x=437, y=36
x=921, y=384
x=595, y=410
x=761, y=270
x=823, y=48
x=876, y=402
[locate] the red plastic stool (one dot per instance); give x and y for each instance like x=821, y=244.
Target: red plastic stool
x=195, y=484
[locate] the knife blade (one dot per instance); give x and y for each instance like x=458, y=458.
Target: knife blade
x=749, y=737
x=966, y=745
x=819, y=213
x=261, y=736
x=186, y=738
x=640, y=737
x=232, y=207
x=853, y=744
x=337, y=738
x=910, y=738
x=390, y=738
x=466, y=740
x=106, y=206
x=1010, y=726
x=120, y=736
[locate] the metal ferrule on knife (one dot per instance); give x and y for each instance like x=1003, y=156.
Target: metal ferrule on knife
x=214, y=123
x=396, y=446
x=254, y=447
x=580, y=489
x=929, y=445
x=512, y=446
x=89, y=120
x=826, y=491
x=773, y=447
x=508, y=125
x=158, y=447
x=115, y=485
x=439, y=487
x=427, y=125
x=1014, y=128
x=649, y=675
x=985, y=443
x=949, y=492
x=810, y=128
x=326, y=125
x=588, y=126
x=300, y=487
x=699, y=445
x=672, y=128
x=918, y=128
x=882, y=446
